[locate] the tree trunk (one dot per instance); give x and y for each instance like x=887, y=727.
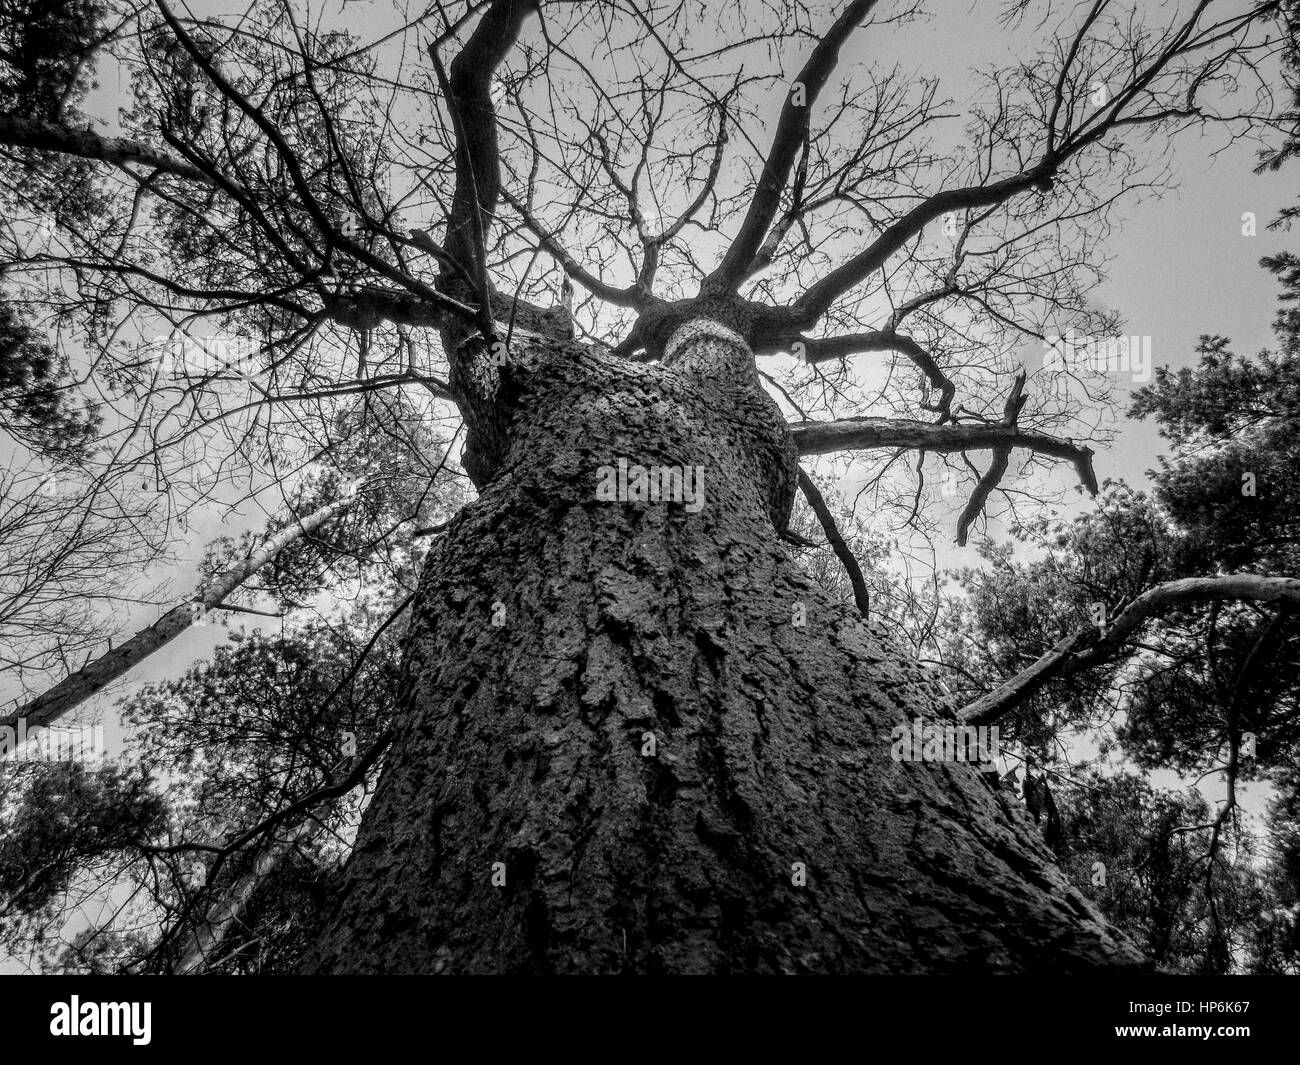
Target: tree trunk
x=630, y=771
x=94, y=676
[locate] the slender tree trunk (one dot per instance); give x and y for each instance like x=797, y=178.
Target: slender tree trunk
x=95, y=675
x=203, y=943
x=636, y=770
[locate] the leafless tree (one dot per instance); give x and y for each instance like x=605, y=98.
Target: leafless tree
x=636, y=736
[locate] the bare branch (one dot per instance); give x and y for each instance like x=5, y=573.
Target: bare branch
x=836, y=540
x=1017, y=689
x=1086, y=648
x=87, y=144
x=478, y=162
x=998, y=467
x=861, y=434
x=620, y=297
x=818, y=298
x=825, y=349
x=791, y=129
x=1141, y=102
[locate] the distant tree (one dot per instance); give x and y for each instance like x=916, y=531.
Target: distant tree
x=1132, y=850
x=1276, y=948
x=1213, y=684
x=37, y=406
x=65, y=826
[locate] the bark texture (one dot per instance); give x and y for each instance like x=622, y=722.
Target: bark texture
x=525, y=743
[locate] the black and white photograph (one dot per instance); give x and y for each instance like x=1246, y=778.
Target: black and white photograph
x=650, y=488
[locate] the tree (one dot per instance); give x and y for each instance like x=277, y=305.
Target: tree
x=256, y=742
x=633, y=734
x=63, y=822
x=1207, y=687
x=1130, y=851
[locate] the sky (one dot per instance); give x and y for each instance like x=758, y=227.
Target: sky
x=1181, y=265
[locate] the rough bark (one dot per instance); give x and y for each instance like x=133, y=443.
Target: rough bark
x=523, y=743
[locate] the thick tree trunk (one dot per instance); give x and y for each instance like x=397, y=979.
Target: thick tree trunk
x=628, y=773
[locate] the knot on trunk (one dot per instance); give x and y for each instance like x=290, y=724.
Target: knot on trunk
x=659, y=324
